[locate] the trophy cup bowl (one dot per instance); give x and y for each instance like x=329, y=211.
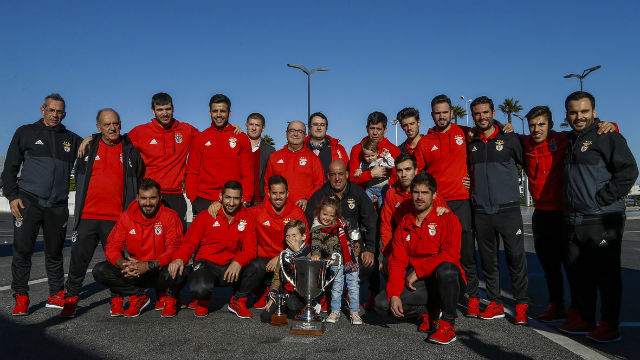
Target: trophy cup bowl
x=278, y=318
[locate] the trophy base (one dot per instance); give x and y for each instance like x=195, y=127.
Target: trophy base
x=300, y=327
x=279, y=320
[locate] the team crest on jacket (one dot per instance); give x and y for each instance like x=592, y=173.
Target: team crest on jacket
x=553, y=145
x=157, y=228
x=432, y=229
x=285, y=221
x=408, y=238
x=241, y=225
x=585, y=146
x=121, y=158
x=67, y=146
x=459, y=139
x=352, y=203
x=18, y=222
x=232, y=142
x=499, y=145
x=302, y=161
x=339, y=154
x=178, y=137
x=74, y=236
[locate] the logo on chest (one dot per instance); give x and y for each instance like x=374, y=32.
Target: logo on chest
x=432, y=229
x=408, y=238
x=120, y=157
x=499, y=145
x=67, y=146
x=351, y=203
x=157, y=228
x=242, y=225
x=302, y=161
x=459, y=139
x=232, y=142
x=178, y=137
x=585, y=145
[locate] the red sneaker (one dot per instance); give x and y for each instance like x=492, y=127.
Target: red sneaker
x=21, y=307
x=261, y=302
x=605, y=333
x=521, y=314
x=69, y=308
x=171, y=307
x=192, y=305
x=238, y=306
x=428, y=322
x=117, y=306
x=136, y=305
x=553, y=314
x=473, y=307
x=572, y=316
x=200, y=308
x=160, y=300
x=493, y=311
x=444, y=335
x=577, y=327
x=56, y=301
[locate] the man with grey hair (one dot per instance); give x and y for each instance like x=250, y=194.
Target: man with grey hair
x=106, y=183
x=43, y=153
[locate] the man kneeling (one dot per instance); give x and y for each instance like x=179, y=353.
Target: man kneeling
x=430, y=244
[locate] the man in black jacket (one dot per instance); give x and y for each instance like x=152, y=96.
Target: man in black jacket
x=261, y=151
x=46, y=151
x=106, y=183
x=492, y=157
x=599, y=171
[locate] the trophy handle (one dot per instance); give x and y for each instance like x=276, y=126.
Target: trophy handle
x=284, y=271
x=334, y=257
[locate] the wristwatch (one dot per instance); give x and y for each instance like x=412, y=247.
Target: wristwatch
x=151, y=264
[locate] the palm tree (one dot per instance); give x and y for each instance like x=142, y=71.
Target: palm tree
x=269, y=140
x=510, y=106
x=458, y=112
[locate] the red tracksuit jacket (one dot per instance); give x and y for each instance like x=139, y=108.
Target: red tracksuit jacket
x=145, y=239
x=356, y=157
x=164, y=152
x=544, y=169
x=424, y=247
x=218, y=241
x=270, y=227
x=444, y=155
x=338, y=151
x=218, y=156
x=302, y=169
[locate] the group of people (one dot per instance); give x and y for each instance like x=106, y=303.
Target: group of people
x=408, y=217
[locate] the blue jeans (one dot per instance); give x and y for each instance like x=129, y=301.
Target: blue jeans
x=353, y=286
x=377, y=191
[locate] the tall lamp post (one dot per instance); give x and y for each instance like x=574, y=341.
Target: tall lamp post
x=521, y=118
x=584, y=74
x=395, y=122
x=466, y=107
x=525, y=182
x=308, y=72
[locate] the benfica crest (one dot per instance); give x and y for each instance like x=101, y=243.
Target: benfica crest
x=459, y=139
x=285, y=221
x=499, y=145
x=352, y=203
x=67, y=146
x=432, y=229
x=339, y=154
x=585, y=146
x=157, y=228
x=303, y=161
x=241, y=225
x=232, y=142
x=408, y=238
x=178, y=137
x=120, y=157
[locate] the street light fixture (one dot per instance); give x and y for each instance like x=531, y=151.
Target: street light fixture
x=304, y=69
x=584, y=74
x=521, y=118
x=395, y=122
x=466, y=109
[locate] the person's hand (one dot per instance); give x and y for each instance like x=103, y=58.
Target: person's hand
x=408, y=282
x=237, y=129
x=605, y=127
x=367, y=258
x=441, y=210
x=315, y=257
x=128, y=268
x=269, y=303
x=302, y=203
x=466, y=182
x=176, y=267
x=214, y=208
x=83, y=146
x=271, y=265
x=15, y=207
x=138, y=267
x=357, y=173
x=396, y=307
x=374, y=198
x=233, y=272
x=378, y=171
x=470, y=134
x=507, y=128
x=385, y=152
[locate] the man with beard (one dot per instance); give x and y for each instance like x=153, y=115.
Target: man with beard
x=223, y=244
x=106, y=183
x=409, y=119
x=261, y=152
x=324, y=146
x=138, y=251
x=218, y=155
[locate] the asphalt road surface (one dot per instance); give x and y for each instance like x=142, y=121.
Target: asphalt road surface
x=94, y=334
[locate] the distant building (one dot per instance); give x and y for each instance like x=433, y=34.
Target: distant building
x=635, y=190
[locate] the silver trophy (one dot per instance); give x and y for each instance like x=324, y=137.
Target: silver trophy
x=279, y=301
x=310, y=282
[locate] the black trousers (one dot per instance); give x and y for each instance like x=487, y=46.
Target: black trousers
x=53, y=221
x=462, y=209
x=371, y=274
x=90, y=232
x=253, y=277
x=508, y=224
x=111, y=276
x=549, y=242
x=199, y=204
x=205, y=276
x=177, y=203
x=293, y=306
x=441, y=290
x=593, y=263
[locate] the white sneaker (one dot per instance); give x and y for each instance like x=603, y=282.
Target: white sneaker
x=356, y=319
x=333, y=317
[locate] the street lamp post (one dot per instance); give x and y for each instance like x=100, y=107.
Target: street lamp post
x=584, y=74
x=308, y=72
x=466, y=108
x=525, y=182
x=395, y=122
x=521, y=118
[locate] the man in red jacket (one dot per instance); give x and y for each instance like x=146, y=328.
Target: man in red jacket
x=324, y=146
x=376, y=128
x=218, y=155
x=429, y=245
x=271, y=217
x=223, y=245
x=299, y=165
x=149, y=232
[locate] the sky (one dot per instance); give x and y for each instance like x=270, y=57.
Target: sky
x=381, y=55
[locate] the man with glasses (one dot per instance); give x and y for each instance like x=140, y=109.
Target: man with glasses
x=327, y=148
x=299, y=165
x=46, y=151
